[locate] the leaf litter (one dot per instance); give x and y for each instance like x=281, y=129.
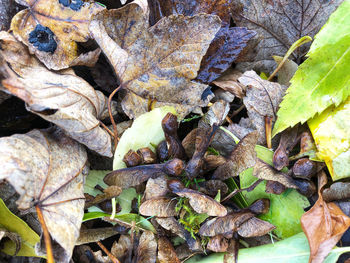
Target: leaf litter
x=173, y=191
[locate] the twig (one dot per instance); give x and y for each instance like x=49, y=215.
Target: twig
x=106, y=128
x=116, y=139
x=248, y=189
x=109, y=254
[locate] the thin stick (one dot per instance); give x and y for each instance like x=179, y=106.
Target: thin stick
x=109, y=254
x=248, y=189
x=106, y=128
x=47, y=237
x=116, y=139
x=268, y=130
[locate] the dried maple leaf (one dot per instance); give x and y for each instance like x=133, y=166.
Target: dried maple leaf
x=46, y=168
x=62, y=98
x=155, y=65
x=324, y=224
x=51, y=29
x=279, y=23
x=228, y=43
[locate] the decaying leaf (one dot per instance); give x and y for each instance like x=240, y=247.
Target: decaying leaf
x=202, y=203
x=255, y=227
x=260, y=206
x=264, y=171
x=241, y=158
x=228, y=42
x=304, y=168
x=229, y=81
x=278, y=25
x=46, y=168
x=147, y=250
x=211, y=187
x=337, y=191
x=92, y=235
x=160, y=207
x=156, y=187
x=218, y=244
x=262, y=99
x=150, y=62
x=132, y=176
x=166, y=251
x=62, y=98
x=51, y=29
x=120, y=248
x=224, y=225
x=323, y=225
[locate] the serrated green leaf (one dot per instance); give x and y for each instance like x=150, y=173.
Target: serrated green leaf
x=14, y=224
x=291, y=250
x=323, y=79
x=285, y=209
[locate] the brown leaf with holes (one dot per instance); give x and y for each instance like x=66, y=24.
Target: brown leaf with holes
x=46, y=168
x=166, y=251
x=160, y=207
x=241, y=158
x=265, y=171
x=155, y=64
x=228, y=43
x=147, y=250
x=324, y=224
x=224, y=225
x=279, y=23
x=255, y=227
x=62, y=98
x=60, y=27
x=202, y=203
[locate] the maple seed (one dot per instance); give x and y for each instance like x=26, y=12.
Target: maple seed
x=72, y=4
x=131, y=159
x=43, y=39
x=147, y=155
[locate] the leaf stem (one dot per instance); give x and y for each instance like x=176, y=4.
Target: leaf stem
x=46, y=234
x=295, y=45
x=109, y=254
x=116, y=138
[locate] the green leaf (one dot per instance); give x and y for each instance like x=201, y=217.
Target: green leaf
x=14, y=224
x=145, y=131
x=125, y=200
x=292, y=250
x=95, y=177
x=285, y=209
x=323, y=79
x=140, y=221
x=331, y=132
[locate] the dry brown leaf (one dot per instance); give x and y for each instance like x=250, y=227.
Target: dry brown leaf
x=324, y=224
x=337, y=191
x=202, y=203
x=147, y=250
x=64, y=99
x=156, y=188
x=155, y=64
x=46, y=168
x=264, y=171
x=166, y=251
x=67, y=25
x=255, y=227
x=279, y=23
x=229, y=81
x=241, y=158
x=224, y=225
x=262, y=99
x=120, y=249
x=160, y=207
x=218, y=244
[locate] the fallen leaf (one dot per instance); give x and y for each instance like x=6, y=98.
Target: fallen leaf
x=132, y=176
x=323, y=225
x=202, y=203
x=156, y=187
x=262, y=99
x=46, y=168
x=50, y=30
x=255, y=227
x=224, y=225
x=64, y=99
x=147, y=250
x=260, y=206
x=215, y=115
x=92, y=235
x=13, y=224
x=337, y=191
x=212, y=187
x=241, y=158
x=166, y=251
x=228, y=43
x=159, y=207
x=311, y=82
x=149, y=61
x=278, y=25
x=120, y=249
x=229, y=81
x=218, y=244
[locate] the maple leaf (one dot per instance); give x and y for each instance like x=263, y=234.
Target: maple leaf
x=155, y=65
x=51, y=29
x=62, y=98
x=279, y=23
x=323, y=79
x=46, y=168
x=228, y=43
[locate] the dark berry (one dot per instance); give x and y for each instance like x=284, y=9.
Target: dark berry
x=43, y=39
